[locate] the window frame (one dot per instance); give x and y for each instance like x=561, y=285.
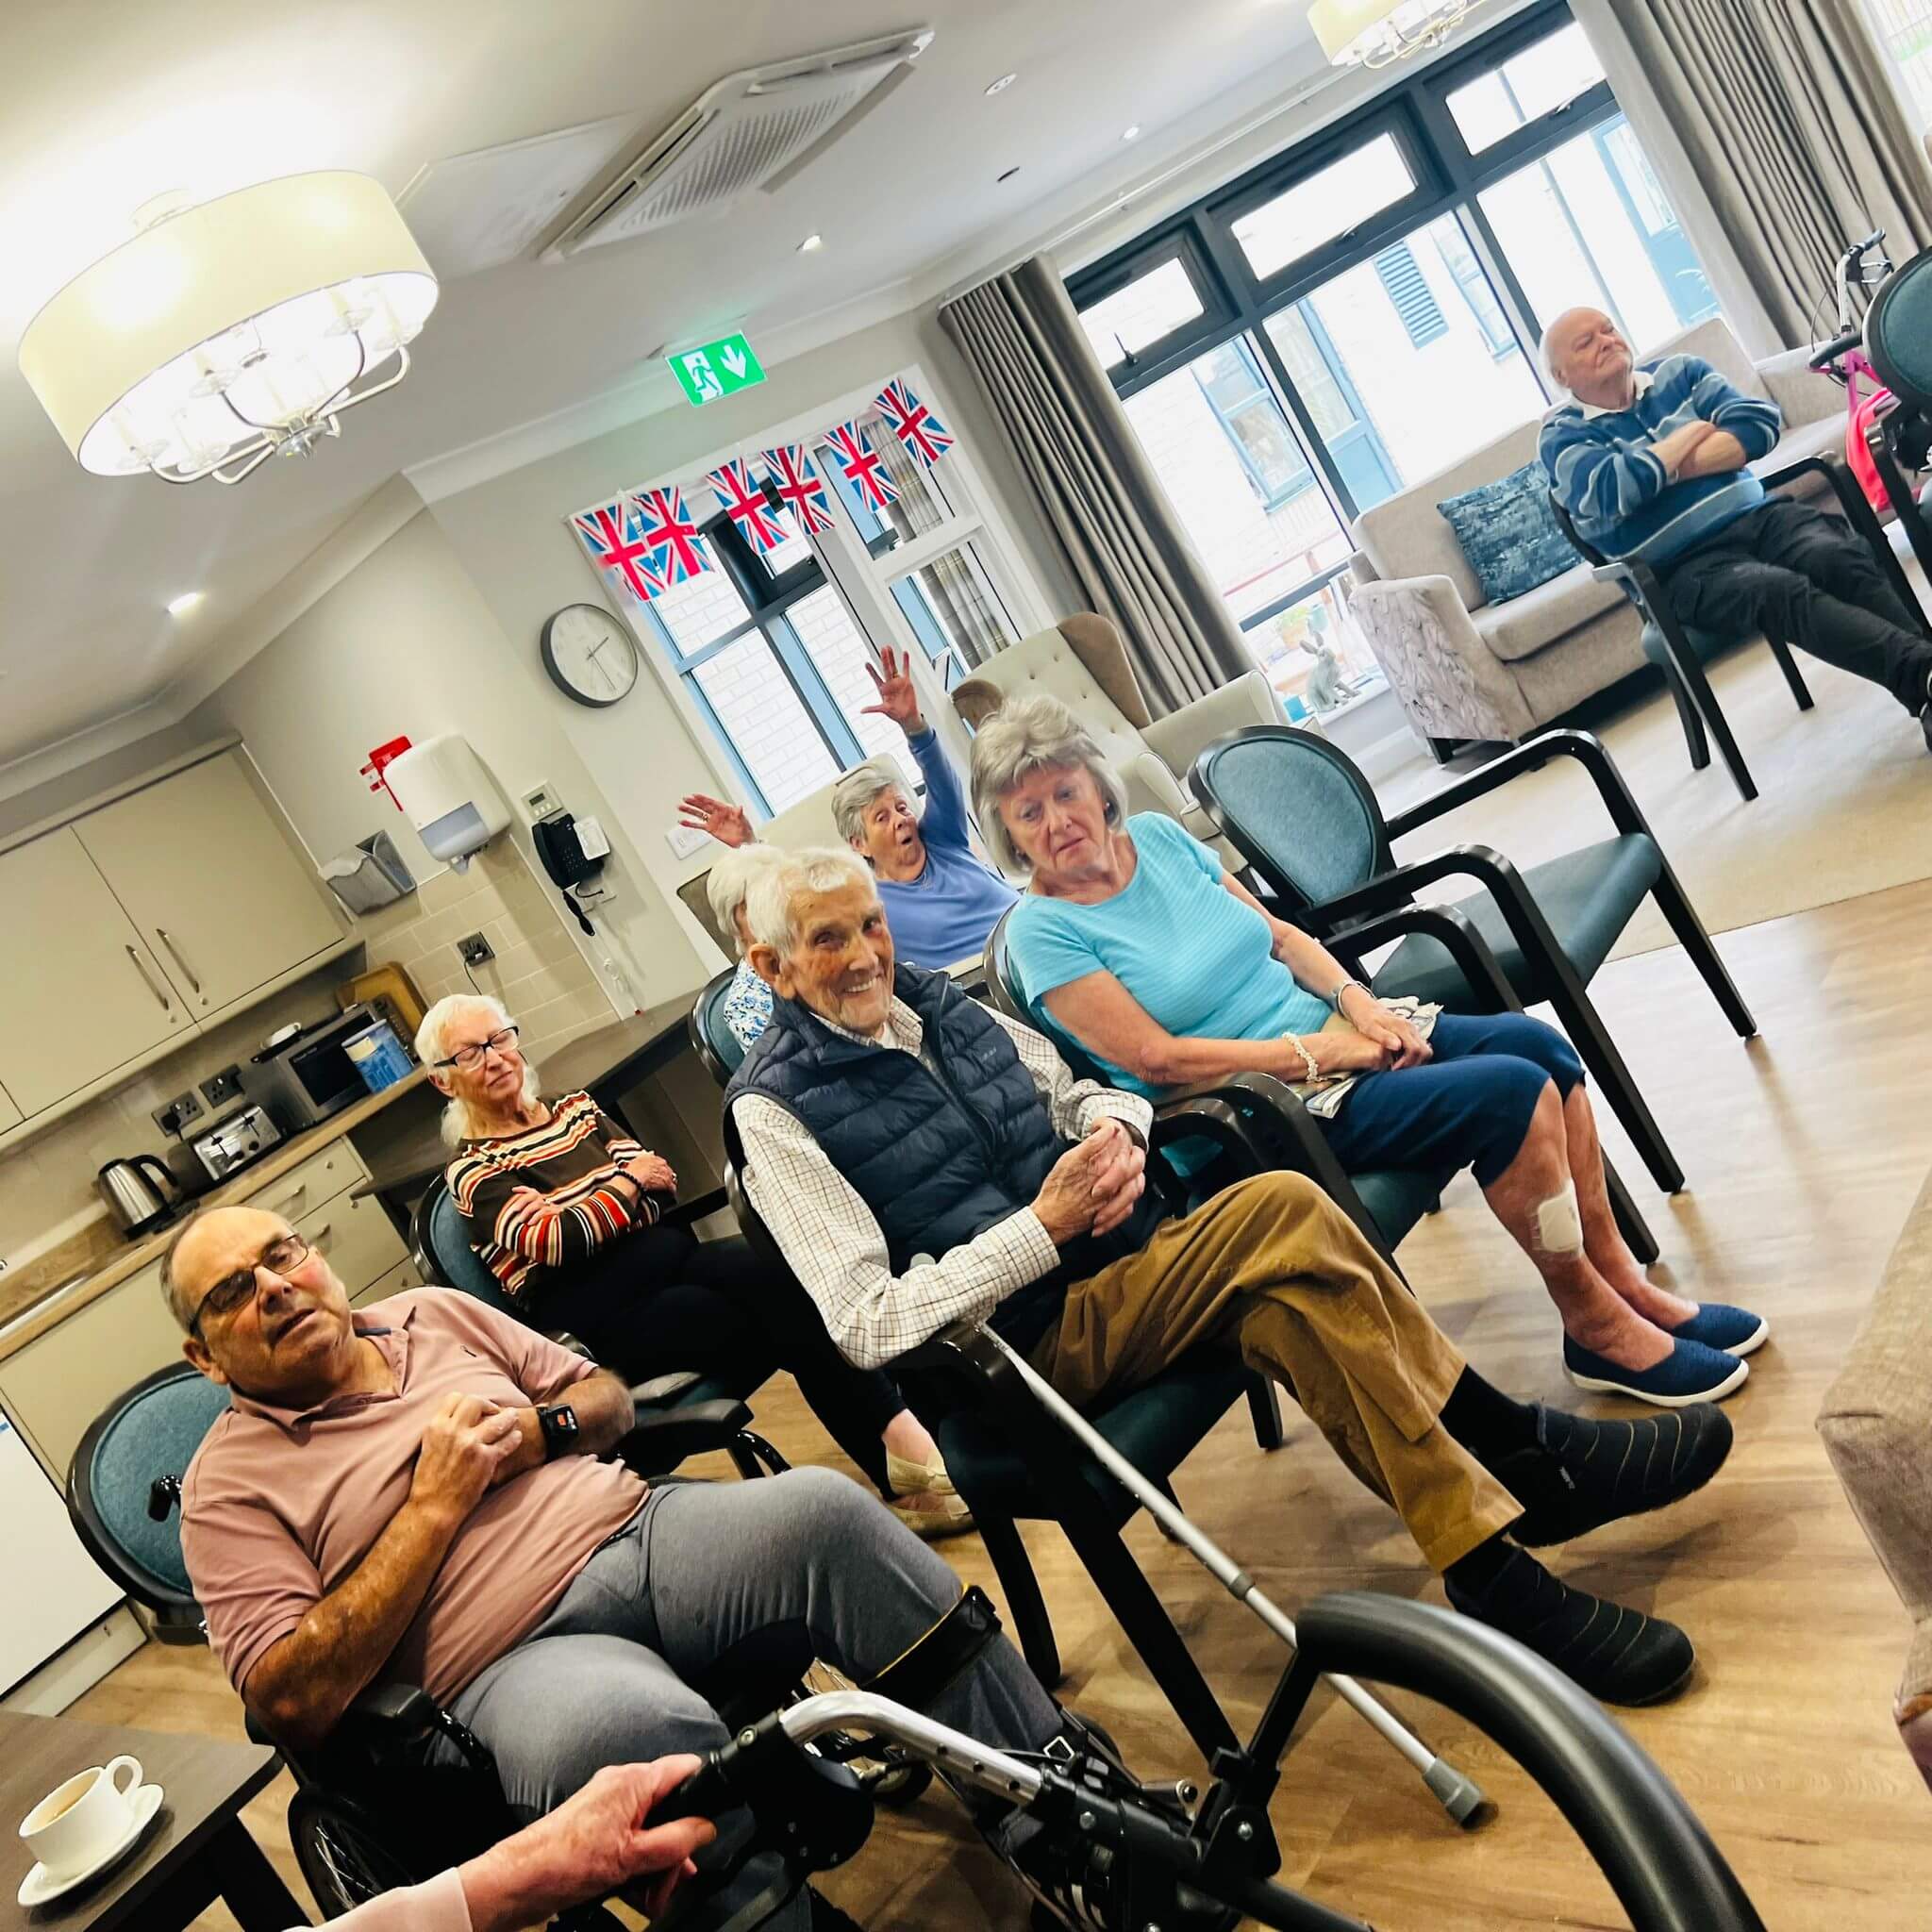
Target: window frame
x=861, y=580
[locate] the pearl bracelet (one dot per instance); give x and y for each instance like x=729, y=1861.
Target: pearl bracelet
x=1294, y=1040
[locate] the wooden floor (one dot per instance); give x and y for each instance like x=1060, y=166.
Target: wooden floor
x=1805, y=1150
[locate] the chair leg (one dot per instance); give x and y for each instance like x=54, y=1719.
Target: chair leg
x=1580, y=1020
x=1265, y=1406
x=1691, y=669
x=1630, y=1223
x=1695, y=742
x=1793, y=676
x=1676, y=907
x=1024, y=1603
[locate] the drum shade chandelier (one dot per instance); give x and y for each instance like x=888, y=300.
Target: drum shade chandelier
x=1374, y=33
x=224, y=333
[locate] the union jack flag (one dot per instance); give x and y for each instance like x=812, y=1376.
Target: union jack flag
x=671, y=534
x=915, y=426
x=743, y=502
x=801, y=488
x=614, y=538
x=858, y=464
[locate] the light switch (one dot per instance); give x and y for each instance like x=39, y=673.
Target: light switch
x=686, y=839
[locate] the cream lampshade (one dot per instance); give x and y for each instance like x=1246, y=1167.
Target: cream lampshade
x=1372, y=33
x=224, y=333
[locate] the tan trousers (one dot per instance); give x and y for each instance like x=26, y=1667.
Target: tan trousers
x=1273, y=1267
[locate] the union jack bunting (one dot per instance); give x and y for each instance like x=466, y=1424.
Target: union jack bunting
x=801, y=488
x=671, y=534
x=858, y=464
x=614, y=538
x=743, y=502
x=915, y=426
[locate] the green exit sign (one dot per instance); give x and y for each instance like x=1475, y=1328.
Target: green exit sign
x=716, y=369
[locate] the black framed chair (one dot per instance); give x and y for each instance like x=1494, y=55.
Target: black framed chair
x=1681, y=650
x=714, y=1042
x=1309, y=823
x=367, y=1814
x=445, y=1258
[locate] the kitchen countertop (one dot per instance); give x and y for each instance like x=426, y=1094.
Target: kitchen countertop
x=29, y=1310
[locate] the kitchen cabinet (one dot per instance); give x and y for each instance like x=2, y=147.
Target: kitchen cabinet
x=355, y=1237
x=404, y=1275
x=220, y=896
x=80, y=992
x=9, y=1114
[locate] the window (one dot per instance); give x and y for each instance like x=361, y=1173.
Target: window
x=1460, y=259
x=1151, y=307
x=1324, y=205
x=1588, y=222
x=1904, y=29
x=1547, y=74
x=1232, y=380
x=1416, y=307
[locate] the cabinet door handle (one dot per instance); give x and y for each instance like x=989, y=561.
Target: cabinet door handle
x=174, y=953
x=147, y=978
x=319, y=1238
x=289, y=1199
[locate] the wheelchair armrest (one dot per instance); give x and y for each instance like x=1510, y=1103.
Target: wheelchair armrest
x=1587, y=751
x=664, y=1438
x=662, y=1389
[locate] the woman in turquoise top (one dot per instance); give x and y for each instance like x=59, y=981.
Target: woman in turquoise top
x=1136, y=946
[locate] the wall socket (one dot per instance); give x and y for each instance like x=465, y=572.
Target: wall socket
x=222, y=1087
x=172, y=1118
x=476, y=950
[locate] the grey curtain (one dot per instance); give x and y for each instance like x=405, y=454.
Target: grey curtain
x=1100, y=495
x=1786, y=111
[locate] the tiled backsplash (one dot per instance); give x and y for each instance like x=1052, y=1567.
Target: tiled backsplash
x=46, y=1183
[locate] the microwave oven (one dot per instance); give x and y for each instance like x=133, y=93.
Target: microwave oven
x=302, y=1080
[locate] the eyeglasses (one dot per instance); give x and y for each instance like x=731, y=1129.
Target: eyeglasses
x=232, y=1293
x=466, y=1059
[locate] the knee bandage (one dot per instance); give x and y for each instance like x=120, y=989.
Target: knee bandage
x=1559, y=1225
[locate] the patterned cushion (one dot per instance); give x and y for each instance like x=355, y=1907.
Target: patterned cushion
x=1509, y=533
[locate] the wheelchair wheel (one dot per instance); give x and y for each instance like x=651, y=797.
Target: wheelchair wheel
x=341, y=1852
x=900, y=1781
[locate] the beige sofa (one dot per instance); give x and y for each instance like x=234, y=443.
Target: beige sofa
x=1876, y=1423
x=1465, y=670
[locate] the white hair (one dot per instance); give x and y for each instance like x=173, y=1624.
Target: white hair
x=458, y=1120
x=857, y=789
x=1546, y=355
x=770, y=907
x=1025, y=735
x=730, y=882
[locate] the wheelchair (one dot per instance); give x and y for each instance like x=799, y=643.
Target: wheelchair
x=123, y=1489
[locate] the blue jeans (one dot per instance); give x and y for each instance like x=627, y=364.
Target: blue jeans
x=1469, y=1106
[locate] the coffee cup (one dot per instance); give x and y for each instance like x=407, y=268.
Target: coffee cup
x=84, y=1819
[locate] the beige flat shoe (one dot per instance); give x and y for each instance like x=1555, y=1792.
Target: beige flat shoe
x=931, y=1516
x=907, y=1478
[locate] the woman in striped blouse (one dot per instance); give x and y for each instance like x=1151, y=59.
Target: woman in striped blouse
x=565, y=1207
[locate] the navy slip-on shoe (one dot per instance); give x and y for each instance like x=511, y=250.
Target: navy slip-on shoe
x=1691, y=1372
x=1718, y=1325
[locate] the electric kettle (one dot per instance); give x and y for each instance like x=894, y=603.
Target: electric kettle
x=139, y=1207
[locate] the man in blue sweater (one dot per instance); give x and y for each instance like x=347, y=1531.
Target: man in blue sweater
x=1650, y=463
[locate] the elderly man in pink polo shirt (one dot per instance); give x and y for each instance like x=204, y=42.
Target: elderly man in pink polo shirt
x=414, y=1493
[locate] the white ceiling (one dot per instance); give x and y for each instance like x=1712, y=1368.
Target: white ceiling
x=108, y=102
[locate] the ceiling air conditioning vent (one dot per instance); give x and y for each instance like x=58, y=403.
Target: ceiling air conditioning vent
x=753, y=129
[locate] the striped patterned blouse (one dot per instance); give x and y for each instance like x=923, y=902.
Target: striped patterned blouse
x=570, y=1162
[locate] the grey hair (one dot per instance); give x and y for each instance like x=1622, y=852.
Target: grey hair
x=768, y=908
x=1025, y=735
x=458, y=1120
x=171, y=1288
x=730, y=882
x=1546, y=356
x=857, y=789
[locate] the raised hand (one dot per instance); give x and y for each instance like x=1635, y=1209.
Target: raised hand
x=898, y=701
x=727, y=824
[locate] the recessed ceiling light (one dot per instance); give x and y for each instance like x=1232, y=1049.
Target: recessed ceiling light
x=810, y=243
x=1002, y=84
x=1008, y=175
x=1128, y=133
x=181, y=606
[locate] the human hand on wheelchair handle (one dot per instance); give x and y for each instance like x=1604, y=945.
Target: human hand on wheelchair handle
x=598, y=1841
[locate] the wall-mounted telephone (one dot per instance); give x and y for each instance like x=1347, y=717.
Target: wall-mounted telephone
x=573, y=852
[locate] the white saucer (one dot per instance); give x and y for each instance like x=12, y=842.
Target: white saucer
x=38, y=1889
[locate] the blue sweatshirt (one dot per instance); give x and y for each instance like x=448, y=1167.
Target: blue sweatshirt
x=1605, y=472
x=945, y=913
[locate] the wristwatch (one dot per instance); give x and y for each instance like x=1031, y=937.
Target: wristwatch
x=558, y=1423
